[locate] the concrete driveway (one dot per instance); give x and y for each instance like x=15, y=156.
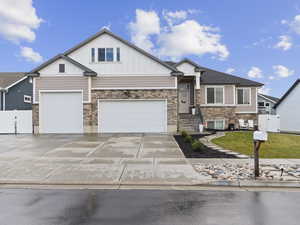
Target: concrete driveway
x=94, y=159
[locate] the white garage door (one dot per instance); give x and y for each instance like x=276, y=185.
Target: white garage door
x=129, y=116
x=61, y=112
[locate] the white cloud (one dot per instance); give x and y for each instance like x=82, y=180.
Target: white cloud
x=18, y=20
x=176, y=16
x=264, y=90
x=30, y=55
x=190, y=37
x=230, y=70
x=176, y=40
x=295, y=24
x=255, y=72
x=145, y=25
x=271, y=78
x=282, y=71
x=285, y=42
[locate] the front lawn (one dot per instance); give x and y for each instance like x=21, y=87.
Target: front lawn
x=277, y=146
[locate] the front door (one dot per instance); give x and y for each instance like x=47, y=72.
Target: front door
x=184, y=97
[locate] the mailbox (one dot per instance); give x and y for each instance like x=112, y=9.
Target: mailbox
x=260, y=136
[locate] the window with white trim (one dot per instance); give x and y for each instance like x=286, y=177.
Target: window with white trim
x=106, y=55
x=261, y=104
x=243, y=96
x=27, y=99
x=218, y=124
x=214, y=95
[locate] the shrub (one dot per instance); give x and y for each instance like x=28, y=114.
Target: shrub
x=184, y=133
x=188, y=139
x=197, y=146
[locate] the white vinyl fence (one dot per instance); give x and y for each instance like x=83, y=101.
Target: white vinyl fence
x=16, y=121
x=269, y=123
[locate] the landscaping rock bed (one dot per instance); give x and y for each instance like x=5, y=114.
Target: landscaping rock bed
x=205, y=151
x=232, y=172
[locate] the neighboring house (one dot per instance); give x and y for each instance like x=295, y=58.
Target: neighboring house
x=266, y=104
x=106, y=84
x=15, y=91
x=288, y=108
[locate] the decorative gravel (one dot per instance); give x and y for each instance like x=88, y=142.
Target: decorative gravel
x=231, y=172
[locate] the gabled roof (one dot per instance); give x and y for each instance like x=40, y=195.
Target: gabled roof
x=287, y=93
x=211, y=77
x=8, y=79
x=87, y=71
x=270, y=98
x=105, y=31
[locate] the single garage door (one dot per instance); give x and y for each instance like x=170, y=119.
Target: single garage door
x=61, y=112
x=130, y=116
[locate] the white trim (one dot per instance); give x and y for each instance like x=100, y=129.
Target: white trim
x=59, y=91
x=214, y=120
x=250, y=96
x=256, y=92
x=176, y=84
x=18, y=81
x=234, y=95
x=135, y=75
x=118, y=100
x=4, y=103
x=265, y=97
x=134, y=88
x=27, y=101
x=33, y=91
x=89, y=89
x=218, y=105
x=215, y=86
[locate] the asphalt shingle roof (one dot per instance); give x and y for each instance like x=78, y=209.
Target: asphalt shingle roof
x=8, y=78
x=271, y=97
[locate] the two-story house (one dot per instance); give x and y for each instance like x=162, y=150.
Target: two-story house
x=106, y=84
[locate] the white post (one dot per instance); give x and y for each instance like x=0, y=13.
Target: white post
x=198, y=80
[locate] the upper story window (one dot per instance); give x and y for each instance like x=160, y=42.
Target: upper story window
x=261, y=104
x=214, y=95
x=27, y=99
x=105, y=55
x=62, y=68
x=243, y=96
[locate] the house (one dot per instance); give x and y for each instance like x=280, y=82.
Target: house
x=106, y=84
x=288, y=108
x=15, y=91
x=266, y=104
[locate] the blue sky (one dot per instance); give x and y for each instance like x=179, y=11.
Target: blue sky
x=254, y=39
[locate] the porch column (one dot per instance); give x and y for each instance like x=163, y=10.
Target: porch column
x=198, y=80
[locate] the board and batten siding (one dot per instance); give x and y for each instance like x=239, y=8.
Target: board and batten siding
x=252, y=108
x=131, y=61
x=62, y=83
x=139, y=82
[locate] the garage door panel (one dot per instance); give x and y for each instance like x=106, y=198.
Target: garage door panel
x=61, y=112
x=132, y=116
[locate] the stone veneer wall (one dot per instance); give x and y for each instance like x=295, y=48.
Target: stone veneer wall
x=211, y=113
x=169, y=94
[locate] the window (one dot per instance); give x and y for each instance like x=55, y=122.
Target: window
x=118, y=54
x=27, y=99
x=261, y=104
x=267, y=104
x=243, y=96
x=93, y=55
x=218, y=124
x=109, y=54
x=62, y=68
x=106, y=55
x=101, y=54
x=214, y=95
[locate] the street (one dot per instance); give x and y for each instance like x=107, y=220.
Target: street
x=145, y=207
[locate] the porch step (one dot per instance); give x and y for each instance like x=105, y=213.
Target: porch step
x=189, y=122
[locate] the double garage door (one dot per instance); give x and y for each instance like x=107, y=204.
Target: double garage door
x=62, y=112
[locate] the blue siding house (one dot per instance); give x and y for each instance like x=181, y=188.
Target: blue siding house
x=15, y=91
